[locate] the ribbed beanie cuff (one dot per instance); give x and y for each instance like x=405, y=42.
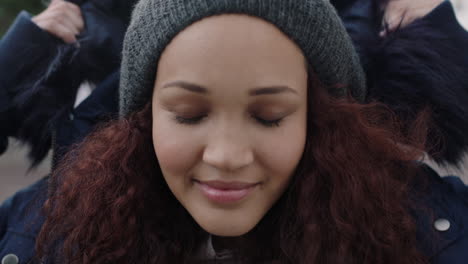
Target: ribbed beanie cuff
x=312, y=24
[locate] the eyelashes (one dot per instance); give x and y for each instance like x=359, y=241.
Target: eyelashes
x=268, y=123
x=189, y=121
x=198, y=119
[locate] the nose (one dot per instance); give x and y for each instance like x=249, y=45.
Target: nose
x=228, y=151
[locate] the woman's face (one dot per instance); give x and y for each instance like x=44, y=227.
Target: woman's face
x=229, y=119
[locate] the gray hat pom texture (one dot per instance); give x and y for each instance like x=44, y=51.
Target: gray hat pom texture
x=312, y=24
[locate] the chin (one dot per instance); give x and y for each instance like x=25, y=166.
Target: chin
x=223, y=232
x=224, y=229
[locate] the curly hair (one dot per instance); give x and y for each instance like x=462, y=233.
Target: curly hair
x=347, y=202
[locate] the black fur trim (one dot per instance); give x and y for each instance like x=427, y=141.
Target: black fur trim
x=41, y=102
x=46, y=96
x=415, y=67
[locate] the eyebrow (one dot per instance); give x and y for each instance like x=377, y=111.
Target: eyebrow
x=187, y=86
x=267, y=90
x=271, y=90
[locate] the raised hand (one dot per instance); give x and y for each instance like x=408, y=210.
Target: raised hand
x=399, y=13
x=61, y=19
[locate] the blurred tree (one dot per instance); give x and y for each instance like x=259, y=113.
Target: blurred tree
x=10, y=8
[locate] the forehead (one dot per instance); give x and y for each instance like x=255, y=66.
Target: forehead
x=235, y=48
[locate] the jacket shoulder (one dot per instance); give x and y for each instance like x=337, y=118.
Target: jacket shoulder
x=443, y=218
x=21, y=220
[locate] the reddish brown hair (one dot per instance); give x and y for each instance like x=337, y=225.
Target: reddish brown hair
x=347, y=203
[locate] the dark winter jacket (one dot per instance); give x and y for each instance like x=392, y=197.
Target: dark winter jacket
x=422, y=66
x=40, y=75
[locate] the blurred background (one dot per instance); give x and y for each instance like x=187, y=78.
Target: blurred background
x=10, y=8
x=14, y=173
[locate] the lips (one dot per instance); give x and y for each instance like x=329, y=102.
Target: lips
x=225, y=192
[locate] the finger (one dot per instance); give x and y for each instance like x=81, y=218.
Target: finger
x=54, y=2
x=391, y=26
x=383, y=33
x=395, y=20
x=61, y=18
x=72, y=21
x=388, y=26
x=63, y=33
x=68, y=23
x=393, y=13
x=68, y=12
x=76, y=18
x=400, y=21
x=73, y=7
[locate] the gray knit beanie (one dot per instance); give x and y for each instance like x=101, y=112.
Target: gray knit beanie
x=312, y=24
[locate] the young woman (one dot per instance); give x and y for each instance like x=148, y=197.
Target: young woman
x=242, y=139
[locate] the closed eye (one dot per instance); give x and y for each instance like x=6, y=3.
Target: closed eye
x=268, y=123
x=197, y=119
x=189, y=121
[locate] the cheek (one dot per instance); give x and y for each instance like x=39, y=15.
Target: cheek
x=281, y=152
x=176, y=150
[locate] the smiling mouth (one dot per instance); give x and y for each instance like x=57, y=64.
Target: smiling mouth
x=225, y=192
